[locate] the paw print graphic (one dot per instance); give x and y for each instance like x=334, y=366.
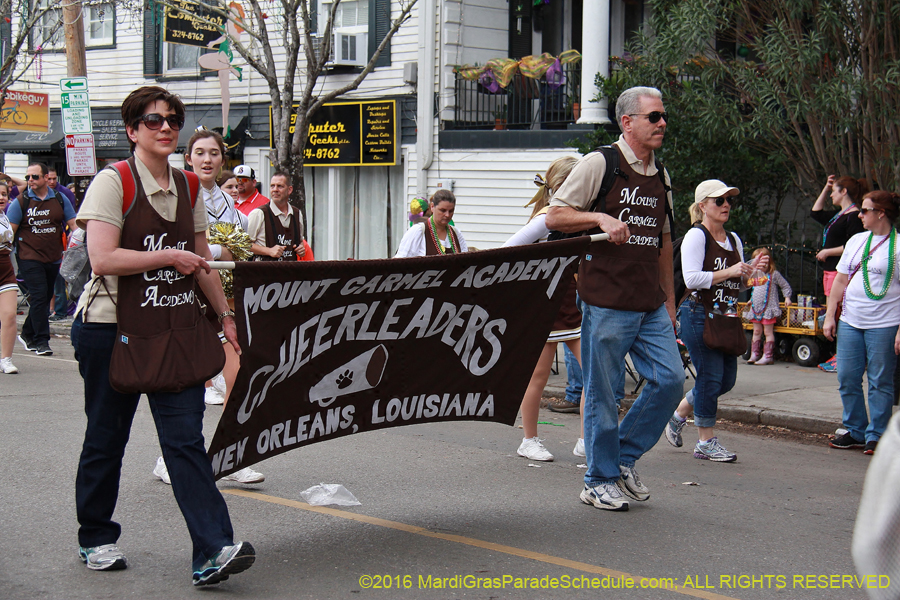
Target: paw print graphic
x=345, y=379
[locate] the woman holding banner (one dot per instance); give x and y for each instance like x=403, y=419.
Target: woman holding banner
x=566, y=328
x=436, y=236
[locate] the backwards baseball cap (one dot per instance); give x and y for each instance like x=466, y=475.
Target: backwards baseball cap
x=244, y=172
x=713, y=188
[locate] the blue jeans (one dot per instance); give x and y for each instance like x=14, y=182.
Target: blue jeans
x=869, y=351
x=573, y=372
x=716, y=371
x=39, y=279
x=607, y=336
x=179, y=420
x=61, y=302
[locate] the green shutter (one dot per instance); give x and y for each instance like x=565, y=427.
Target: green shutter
x=379, y=26
x=152, y=41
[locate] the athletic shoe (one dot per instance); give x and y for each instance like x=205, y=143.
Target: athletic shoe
x=533, y=449
x=29, y=345
x=579, y=448
x=161, y=471
x=830, y=365
x=103, y=558
x=44, y=349
x=213, y=396
x=56, y=318
x=227, y=561
x=562, y=406
x=845, y=441
x=673, y=431
x=714, y=451
x=604, y=495
x=245, y=475
x=7, y=367
x=870, y=447
x=631, y=484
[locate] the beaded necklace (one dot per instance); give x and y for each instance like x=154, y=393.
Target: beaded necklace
x=833, y=219
x=437, y=242
x=890, y=270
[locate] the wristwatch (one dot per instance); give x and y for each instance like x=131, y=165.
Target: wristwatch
x=227, y=313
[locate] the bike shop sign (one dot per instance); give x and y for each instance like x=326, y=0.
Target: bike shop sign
x=25, y=111
x=76, y=113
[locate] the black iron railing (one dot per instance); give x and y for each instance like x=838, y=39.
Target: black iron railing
x=526, y=103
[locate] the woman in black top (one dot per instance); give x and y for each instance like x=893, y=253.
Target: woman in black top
x=841, y=223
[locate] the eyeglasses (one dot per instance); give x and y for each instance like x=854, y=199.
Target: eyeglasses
x=864, y=211
x=653, y=117
x=154, y=121
x=33, y=177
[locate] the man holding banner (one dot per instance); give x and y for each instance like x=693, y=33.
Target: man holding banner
x=629, y=304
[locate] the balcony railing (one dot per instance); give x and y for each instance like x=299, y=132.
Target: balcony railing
x=526, y=103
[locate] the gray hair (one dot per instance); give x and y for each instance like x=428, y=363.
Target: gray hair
x=629, y=101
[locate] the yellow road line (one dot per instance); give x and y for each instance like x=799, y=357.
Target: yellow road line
x=459, y=539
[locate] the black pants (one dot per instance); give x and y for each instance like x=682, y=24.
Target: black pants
x=39, y=279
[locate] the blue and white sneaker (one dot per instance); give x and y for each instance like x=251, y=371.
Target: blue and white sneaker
x=228, y=561
x=673, y=431
x=631, y=485
x=607, y=496
x=714, y=451
x=107, y=557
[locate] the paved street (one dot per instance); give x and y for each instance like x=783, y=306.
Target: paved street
x=442, y=500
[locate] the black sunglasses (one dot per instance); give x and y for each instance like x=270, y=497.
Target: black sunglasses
x=35, y=177
x=155, y=121
x=731, y=201
x=868, y=210
x=653, y=117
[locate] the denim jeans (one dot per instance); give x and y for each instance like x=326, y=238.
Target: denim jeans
x=607, y=336
x=573, y=373
x=179, y=419
x=61, y=302
x=716, y=371
x=869, y=351
x=39, y=279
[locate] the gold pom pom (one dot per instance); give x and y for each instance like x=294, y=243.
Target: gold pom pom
x=236, y=240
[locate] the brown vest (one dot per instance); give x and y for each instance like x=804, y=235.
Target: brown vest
x=431, y=244
x=40, y=231
x=278, y=235
x=626, y=277
x=161, y=299
x=716, y=259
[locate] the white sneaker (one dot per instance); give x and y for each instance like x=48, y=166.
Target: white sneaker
x=218, y=382
x=213, y=396
x=245, y=475
x=7, y=367
x=161, y=471
x=579, y=448
x=533, y=449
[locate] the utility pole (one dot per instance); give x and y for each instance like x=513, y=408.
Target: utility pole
x=76, y=66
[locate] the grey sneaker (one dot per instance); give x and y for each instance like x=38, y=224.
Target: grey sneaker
x=228, y=561
x=713, y=451
x=673, y=431
x=103, y=558
x=604, y=495
x=631, y=484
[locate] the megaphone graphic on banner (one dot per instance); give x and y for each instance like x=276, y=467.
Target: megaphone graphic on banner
x=358, y=375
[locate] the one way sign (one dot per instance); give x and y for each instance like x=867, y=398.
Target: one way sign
x=73, y=84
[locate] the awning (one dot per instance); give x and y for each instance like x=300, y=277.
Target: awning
x=29, y=142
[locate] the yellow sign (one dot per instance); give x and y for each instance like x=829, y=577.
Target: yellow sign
x=25, y=111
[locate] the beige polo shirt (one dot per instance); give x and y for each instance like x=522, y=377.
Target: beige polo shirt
x=583, y=183
x=256, y=226
x=103, y=202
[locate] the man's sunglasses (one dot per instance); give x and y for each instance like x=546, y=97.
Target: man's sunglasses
x=155, y=121
x=868, y=210
x=721, y=201
x=34, y=177
x=653, y=117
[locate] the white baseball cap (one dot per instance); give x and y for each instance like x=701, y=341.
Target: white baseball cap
x=713, y=188
x=243, y=171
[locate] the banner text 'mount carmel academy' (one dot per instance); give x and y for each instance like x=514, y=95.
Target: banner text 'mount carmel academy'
x=340, y=347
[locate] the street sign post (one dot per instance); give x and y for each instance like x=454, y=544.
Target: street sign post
x=80, y=156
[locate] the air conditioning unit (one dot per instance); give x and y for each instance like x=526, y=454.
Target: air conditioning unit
x=347, y=49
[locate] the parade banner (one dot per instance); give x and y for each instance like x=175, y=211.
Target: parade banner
x=340, y=347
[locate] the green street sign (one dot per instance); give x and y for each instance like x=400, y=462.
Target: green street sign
x=73, y=84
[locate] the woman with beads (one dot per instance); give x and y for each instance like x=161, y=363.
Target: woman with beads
x=841, y=223
x=867, y=289
x=435, y=236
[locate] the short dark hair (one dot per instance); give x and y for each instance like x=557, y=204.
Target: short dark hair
x=206, y=133
x=134, y=105
x=443, y=195
x=281, y=174
x=44, y=168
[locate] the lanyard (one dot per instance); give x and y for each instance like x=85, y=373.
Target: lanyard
x=833, y=219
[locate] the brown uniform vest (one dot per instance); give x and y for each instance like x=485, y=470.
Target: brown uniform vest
x=278, y=235
x=716, y=259
x=626, y=277
x=431, y=244
x=40, y=232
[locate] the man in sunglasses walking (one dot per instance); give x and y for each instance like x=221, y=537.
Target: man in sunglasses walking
x=38, y=220
x=627, y=287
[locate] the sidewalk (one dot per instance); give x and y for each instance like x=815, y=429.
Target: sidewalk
x=781, y=395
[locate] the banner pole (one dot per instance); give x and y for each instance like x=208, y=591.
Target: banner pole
x=229, y=266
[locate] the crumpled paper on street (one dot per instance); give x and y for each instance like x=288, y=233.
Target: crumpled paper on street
x=329, y=493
